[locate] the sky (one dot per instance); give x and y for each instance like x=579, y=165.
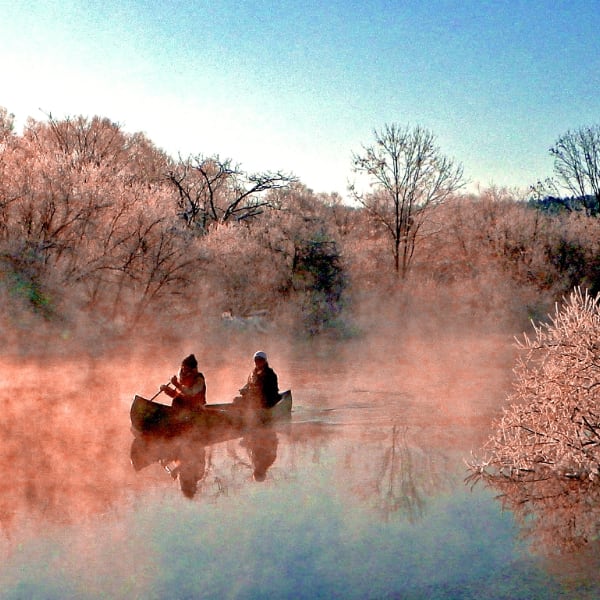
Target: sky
x=298, y=86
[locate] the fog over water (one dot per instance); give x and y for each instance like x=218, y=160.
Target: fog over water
x=363, y=487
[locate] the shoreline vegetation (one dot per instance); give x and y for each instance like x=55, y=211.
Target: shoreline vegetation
x=106, y=242
x=551, y=426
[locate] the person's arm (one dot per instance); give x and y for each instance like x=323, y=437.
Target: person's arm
x=169, y=391
x=244, y=390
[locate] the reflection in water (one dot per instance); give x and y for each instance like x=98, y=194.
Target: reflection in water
x=61, y=447
x=362, y=493
x=557, y=515
x=185, y=457
x=398, y=478
x=221, y=464
x=261, y=444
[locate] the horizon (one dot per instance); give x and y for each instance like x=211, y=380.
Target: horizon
x=299, y=88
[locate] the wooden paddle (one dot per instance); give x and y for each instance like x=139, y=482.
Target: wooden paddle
x=160, y=391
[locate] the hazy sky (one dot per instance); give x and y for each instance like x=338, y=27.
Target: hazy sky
x=298, y=85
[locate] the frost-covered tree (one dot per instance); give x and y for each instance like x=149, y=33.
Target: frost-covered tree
x=407, y=175
x=552, y=422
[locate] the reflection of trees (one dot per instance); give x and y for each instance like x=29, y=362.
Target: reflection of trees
x=558, y=515
x=395, y=478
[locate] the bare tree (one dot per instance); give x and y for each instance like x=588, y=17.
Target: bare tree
x=212, y=190
x=407, y=175
x=576, y=168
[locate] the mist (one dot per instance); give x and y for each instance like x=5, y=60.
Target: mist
x=66, y=428
x=102, y=297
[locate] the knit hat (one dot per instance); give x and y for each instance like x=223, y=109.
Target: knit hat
x=190, y=362
x=260, y=354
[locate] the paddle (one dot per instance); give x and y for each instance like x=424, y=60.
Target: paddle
x=160, y=391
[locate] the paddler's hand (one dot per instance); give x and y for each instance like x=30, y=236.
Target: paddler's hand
x=164, y=387
x=175, y=381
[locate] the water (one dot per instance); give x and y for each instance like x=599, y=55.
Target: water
x=361, y=495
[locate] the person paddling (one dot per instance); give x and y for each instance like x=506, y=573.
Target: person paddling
x=189, y=389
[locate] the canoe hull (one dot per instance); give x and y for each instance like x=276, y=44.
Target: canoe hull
x=159, y=419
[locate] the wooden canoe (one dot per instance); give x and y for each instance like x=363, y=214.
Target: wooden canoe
x=155, y=418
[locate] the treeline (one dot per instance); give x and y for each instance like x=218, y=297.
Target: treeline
x=99, y=225
x=98, y=222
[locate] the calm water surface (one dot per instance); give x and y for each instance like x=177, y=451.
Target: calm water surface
x=361, y=495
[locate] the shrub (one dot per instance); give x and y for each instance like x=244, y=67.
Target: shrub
x=553, y=420
x=244, y=275
x=21, y=275
x=318, y=272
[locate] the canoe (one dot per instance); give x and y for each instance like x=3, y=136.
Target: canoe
x=152, y=417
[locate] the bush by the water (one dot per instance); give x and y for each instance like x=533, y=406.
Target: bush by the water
x=552, y=422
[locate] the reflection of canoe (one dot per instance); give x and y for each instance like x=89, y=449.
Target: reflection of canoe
x=184, y=456
x=152, y=417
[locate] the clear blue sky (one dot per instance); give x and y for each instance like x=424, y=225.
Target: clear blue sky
x=298, y=85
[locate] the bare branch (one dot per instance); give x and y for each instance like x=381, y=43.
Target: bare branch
x=407, y=175
x=212, y=191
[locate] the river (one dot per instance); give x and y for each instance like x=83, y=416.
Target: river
x=361, y=495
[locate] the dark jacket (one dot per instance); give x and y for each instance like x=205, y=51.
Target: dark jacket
x=262, y=389
x=191, y=397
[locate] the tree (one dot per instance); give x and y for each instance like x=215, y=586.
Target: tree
x=7, y=124
x=7, y=143
x=212, y=190
x=85, y=206
x=305, y=230
x=576, y=168
x=407, y=175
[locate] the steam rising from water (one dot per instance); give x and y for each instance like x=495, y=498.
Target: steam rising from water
x=66, y=431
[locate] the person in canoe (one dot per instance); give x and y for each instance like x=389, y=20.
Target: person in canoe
x=261, y=390
x=189, y=389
